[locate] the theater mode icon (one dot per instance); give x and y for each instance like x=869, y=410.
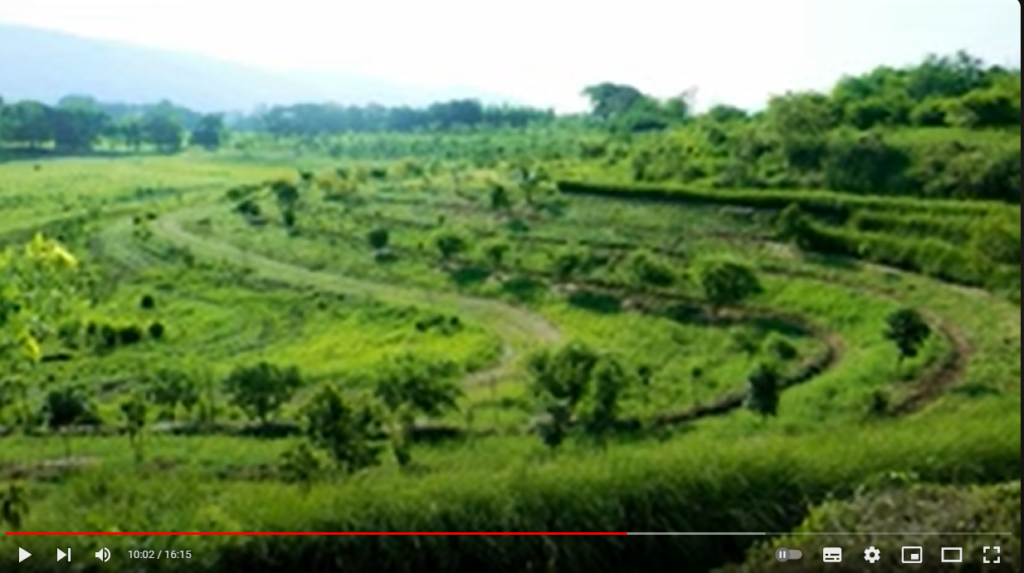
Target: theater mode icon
x=952, y=555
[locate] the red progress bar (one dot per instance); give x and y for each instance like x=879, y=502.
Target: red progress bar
x=26, y=533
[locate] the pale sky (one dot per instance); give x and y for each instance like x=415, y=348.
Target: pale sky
x=543, y=52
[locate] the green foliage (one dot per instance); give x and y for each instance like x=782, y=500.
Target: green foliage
x=210, y=133
x=864, y=164
x=134, y=410
x=908, y=330
x=569, y=262
x=500, y=198
x=450, y=244
x=379, y=238
x=763, y=388
x=349, y=431
x=408, y=385
x=14, y=506
x=648, y=270
x=162, y=129
x=172, y=388
x=261, y=390
x=496, y=252
x=301, y=464
x=727, y=283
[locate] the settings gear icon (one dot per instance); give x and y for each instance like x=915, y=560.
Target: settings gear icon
x=872, y=555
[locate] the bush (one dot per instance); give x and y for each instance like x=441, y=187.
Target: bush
x=726, y=283
x=450, y=244
x=262, y=390
x=147, y=302
x=156, y=331
x=781, y=349
x=647, y=269
x=864, y=164
x=379, y=239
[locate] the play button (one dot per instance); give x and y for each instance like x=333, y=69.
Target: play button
x=23, y=555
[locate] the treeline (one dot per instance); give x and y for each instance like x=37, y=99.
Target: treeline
x=327, y=119
x=876, y=133
x=78, y=124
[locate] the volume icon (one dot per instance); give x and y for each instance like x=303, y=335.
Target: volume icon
x=103, y=555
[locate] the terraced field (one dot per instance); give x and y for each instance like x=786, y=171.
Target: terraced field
x=232, y=287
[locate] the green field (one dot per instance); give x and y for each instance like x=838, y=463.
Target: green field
x=232, y=291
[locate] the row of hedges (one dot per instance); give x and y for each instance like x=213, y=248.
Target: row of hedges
x=827, y=204
x=764, y=484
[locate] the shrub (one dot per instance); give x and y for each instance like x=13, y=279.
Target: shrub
x=379, y=239
x=147, y=302
x=157, y=331
x=727, y=283
x=261, y=390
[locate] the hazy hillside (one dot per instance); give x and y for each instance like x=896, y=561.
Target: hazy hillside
x=45, y=65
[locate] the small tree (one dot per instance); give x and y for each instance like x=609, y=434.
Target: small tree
x=763, y=388
x=648, y=270
x=727, y=283
x=350, y=432
x=409, y=386
x=261, y=390
x=450, y=244
x=600, y=413
x=63, y=408
x=500, y=198
x=13, y=506
x=496, y=251
x=170, y=389
x=909, y=331
x=134, y=412
x=379, y=239
x=568, y=262
x=300, y=464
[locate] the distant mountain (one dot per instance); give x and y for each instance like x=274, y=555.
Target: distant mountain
x=45, y=65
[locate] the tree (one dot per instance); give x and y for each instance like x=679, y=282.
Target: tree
x=763, y=388
x=909, y=331
x=171, y=388
x=78, y=123
x=609, y=99
x=794, y=225
x=162, y=129
x=134, y=412
x=648, y=270
x=496, y=251
x=65, y=407
x=450, y=244
x=600, y=412
x=210, y=133
x=569, y=261
x=261, y=390
x=576, y=383
x=727, y=283
x=378, y=238
x=350, y=432
x=409, y=386
x=500, y=198
x=13, y=506
x=28, y=122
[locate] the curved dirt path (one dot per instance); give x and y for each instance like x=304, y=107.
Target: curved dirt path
x=519, y=329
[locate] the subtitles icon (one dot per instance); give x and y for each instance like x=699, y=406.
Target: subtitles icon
x=833, y=554
x=103, y=555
